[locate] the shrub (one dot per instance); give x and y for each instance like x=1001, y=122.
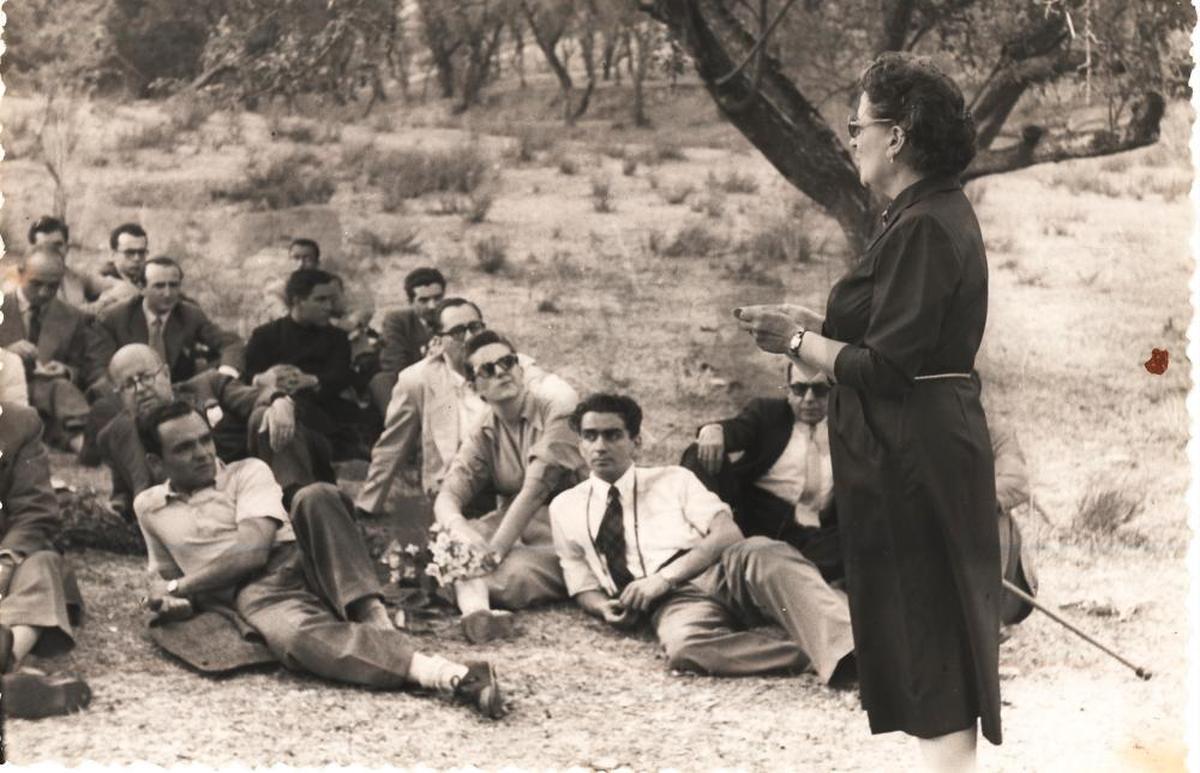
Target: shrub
x=187, y=111
x=303, y=131
x=629, y=166
x=491, y=254
x=712, y=205
x=409, y=174
x=738, y=183
x=400, y=242
x=613, y=150
x=145, y=137
x=667, y=149
x=477, y=205
x=568, y=165
x=1101, y=511
x=530, y=141
x=601, y=194
x=696, y=240
x=677, y=194
x=286, y=181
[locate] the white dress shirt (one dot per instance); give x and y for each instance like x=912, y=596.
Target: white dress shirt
x=786, y=478
x=671, y=512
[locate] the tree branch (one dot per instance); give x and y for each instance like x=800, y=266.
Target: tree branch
x=1037, y=146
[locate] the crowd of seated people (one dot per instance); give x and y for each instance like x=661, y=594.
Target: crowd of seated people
x=224, y=454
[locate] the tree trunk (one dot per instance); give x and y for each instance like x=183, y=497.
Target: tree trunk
x=546, y=33
x=637, y=72
x=440, y=42
x=771, y=112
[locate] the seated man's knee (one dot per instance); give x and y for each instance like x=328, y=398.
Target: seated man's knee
x=317, y=498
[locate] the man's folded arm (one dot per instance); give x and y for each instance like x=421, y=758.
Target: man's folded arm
x=249, y=554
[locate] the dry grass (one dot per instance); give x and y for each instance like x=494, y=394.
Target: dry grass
x=491, y=254
x=602, y=194
x=694, y=241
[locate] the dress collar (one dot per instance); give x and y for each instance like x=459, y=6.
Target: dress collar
x=919, y=190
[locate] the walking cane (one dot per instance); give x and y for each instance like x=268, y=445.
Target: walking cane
x=1016, y=591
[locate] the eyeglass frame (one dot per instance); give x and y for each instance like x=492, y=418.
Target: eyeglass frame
x=819, y=389
x=488, y=369
x=854, y=127
x=461, y=332
x=142, y=380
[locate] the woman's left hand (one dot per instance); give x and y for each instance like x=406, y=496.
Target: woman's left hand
x=771, y=328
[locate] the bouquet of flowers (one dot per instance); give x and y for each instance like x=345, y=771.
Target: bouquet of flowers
x=452, y=559
x=406, y=563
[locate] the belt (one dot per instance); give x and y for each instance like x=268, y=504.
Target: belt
x=933, y=376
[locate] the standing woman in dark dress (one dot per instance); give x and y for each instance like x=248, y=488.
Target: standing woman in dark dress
x=912, y=459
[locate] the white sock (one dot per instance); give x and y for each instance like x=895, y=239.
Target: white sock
x=434, y=672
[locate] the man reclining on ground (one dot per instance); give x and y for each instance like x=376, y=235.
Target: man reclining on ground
x=652, y=544
x=304, y=581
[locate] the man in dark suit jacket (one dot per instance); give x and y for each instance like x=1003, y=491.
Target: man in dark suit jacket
x=39, y=601
x=259, y=420
x=407, y=331
x=63, y=352
x=173, y=326
x=771, y=464
x=744, y=460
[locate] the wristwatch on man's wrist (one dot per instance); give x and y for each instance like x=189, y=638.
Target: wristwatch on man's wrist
x=172, y=587
x=795, y=341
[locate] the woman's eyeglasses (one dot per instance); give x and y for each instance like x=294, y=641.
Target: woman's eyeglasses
x=461, y=332
x=854, y=126
x=493, y=369
x=819, y=390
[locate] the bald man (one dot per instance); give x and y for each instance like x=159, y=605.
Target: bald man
x=258, y=420
x=63, y=351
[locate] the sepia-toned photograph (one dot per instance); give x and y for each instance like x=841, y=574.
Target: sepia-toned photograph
x=596, y=384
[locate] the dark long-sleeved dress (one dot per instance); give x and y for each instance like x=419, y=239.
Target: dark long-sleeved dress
x=913, y=469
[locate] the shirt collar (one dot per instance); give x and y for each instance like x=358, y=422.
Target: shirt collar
x=624, y=485
x=23, y=303
x=151, y=316
x=921, y=189
x=170, y=495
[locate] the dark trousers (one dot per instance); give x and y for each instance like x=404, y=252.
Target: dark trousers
x=704, y=625
x=299, y=602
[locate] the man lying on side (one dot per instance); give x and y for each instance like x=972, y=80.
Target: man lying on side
x=304, y=581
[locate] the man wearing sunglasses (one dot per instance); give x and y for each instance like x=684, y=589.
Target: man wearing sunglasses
x=525, y=451
x=771, y=464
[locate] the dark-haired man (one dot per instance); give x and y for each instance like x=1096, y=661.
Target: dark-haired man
x=77, y=289
x=255, y=420
x=305, y=253
x=407, y=331
x=63, y=353
x=177, y=329
x=652, y=544
x=525, y=452
x=121, y=275
x=217, y=534
x=306, y=339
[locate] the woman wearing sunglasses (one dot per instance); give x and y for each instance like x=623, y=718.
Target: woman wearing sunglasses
x=912, y=458
x=525, y=451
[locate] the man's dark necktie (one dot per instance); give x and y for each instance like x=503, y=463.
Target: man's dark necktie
x=35, y=324
x=610, y=540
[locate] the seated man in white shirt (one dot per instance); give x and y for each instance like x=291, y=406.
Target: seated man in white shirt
x=652, y=544
x=304, y=581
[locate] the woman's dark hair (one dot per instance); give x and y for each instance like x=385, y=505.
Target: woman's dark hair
x=601, y=402
x=303, y=281
x=480, y=340
x=926, y=103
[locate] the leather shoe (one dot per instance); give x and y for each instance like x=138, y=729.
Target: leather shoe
x=480, y=690
x=484, y=625
x=34, y=696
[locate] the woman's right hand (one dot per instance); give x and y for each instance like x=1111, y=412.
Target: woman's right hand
x=802, y=315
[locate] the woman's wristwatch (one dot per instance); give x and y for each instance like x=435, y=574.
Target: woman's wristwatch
x=172, y=587
x=794, y=343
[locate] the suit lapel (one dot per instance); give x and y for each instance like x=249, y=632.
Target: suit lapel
x=442, y=408
x=173, y=334
x=57, y=324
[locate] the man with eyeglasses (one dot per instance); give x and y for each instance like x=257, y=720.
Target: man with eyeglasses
x=406, y=332
x=122, y=274
x=64, y=354
x=523, y=450
x=258, y=420
x=771, y=464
